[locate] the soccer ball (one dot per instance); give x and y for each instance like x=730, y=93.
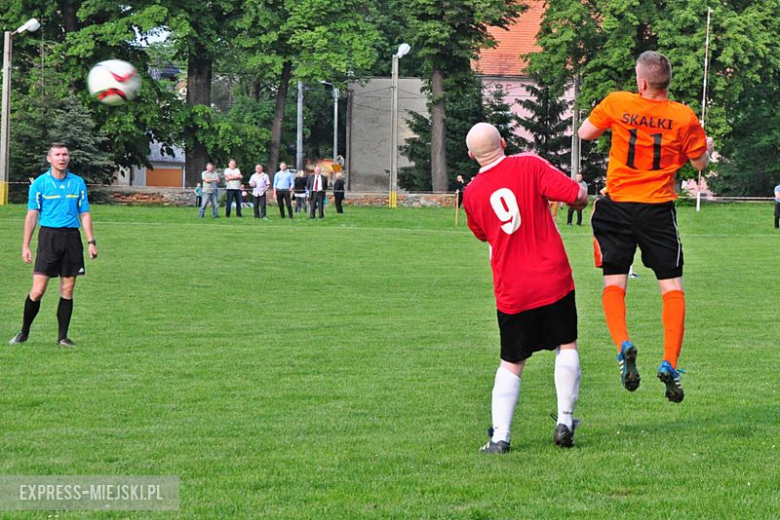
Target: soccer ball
x=113, y=82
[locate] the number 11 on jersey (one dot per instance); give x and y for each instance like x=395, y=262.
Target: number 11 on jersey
x=505, y=206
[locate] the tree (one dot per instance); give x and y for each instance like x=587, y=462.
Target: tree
x=750, y=167
x=447, y=36
x=470, y=103
x=310, y=40
x=546, y=122
x=601, y=39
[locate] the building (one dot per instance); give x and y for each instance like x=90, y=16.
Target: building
x=166, y=171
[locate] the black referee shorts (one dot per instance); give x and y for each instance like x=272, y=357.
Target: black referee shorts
x=543, y=328
x=619, y=227
x=60, y=252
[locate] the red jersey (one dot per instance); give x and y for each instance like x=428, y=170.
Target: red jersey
x=506, y=205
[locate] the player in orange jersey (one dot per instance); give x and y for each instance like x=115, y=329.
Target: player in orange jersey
x=652, y=138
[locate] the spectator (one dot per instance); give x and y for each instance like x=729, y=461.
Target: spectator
x=317, y=185
x=460, y=185
x=579, y=211
x=283, y=183
x=210, y=190
x=198, y=195
x=299, y=188
x=233, y=184
x=259, y=182
x=339, y=192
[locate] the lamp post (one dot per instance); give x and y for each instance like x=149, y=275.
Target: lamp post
x=31, y=25
x=403, y=50
x=299, y=131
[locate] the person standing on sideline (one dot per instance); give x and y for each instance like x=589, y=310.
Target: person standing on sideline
x=506, y=206
x=579, y=211
x=299, y=190
x=58, y=201
x=283, y=183
x=460, y=186
x=777, y=206
x=210, y=190
x=233, y=185
x=198, y=195
x=317, y=185
x=652, y=138
x=260, y=183
x=339, y=192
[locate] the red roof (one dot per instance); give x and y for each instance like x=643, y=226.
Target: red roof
x=519, y=39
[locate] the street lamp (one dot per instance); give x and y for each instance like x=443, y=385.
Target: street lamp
x=403, y=50
x=31, y=25
x=335, y=120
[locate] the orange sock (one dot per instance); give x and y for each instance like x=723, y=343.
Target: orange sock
x=614, y=301
x=673, y=317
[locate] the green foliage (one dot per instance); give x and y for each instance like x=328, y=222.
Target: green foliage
x=599, y=40
x=65, y=120
x=546, y=123
x=447, y=36
x=750, y=166
x=469, y=104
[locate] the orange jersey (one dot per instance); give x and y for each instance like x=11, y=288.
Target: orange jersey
x=651, y=140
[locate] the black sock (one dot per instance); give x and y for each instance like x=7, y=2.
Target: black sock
x=31, y=309
x=64, y=311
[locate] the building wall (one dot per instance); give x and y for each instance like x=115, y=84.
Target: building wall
x=163, y=175
x=370, y=133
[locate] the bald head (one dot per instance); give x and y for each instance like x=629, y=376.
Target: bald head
x=484, y=143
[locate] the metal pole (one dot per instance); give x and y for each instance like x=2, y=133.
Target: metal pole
x=299, y=140
x=394, y=135
x=575, y=125
x=335, y=123
x=704, y=99
x=5, y=126
x=348, y=151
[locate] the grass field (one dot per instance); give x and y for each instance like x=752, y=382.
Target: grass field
x=342, y=369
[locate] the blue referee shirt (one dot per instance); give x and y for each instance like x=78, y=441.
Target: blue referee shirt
x=59, y=202
x=283, y=180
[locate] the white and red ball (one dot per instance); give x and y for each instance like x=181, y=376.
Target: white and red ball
x=113, y=82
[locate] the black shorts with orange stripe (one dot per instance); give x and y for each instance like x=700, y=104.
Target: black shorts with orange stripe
x=619, y=227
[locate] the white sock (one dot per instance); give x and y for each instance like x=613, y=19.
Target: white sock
x=506, y=390
x=567, y=383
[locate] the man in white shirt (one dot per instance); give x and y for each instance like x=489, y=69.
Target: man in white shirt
x=259, y=182
x=210, y=190
x=233, y=185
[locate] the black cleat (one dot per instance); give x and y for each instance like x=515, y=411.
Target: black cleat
x=671, y=378
x=19, y=338
x=66, y=343
x=563, y=436
x=496, y=448
x=629, y=375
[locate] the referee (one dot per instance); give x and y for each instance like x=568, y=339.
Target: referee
x=58, y=199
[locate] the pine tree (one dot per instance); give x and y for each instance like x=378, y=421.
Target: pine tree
x=546, y=122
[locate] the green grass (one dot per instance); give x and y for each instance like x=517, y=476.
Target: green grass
x=342, y=369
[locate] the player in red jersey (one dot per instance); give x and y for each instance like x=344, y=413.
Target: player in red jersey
x=652, y=138
x=506, y=205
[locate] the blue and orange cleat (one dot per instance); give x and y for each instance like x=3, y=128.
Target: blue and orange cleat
x=671, y=378
x=629, y=375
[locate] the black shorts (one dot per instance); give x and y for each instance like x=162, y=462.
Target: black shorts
x=60, y=252
x=543, y=328
x=619, y=227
